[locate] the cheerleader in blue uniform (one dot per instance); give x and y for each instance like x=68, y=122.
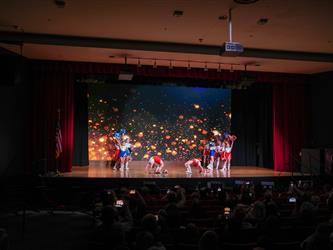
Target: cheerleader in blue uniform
x=125, y=154
x=212, y=150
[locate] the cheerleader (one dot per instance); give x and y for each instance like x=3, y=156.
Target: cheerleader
x=219, y=154
x=129, y=147
x=206, y=154
x=212, y=150
x=116, y=156
x=195, y=163
x=157, y=163
x=124, y=154
x=228, y=149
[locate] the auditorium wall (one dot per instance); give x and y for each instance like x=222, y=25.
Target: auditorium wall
x=14, y=107
x=320, y=108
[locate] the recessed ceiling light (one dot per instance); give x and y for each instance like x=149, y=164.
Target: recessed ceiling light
x=223, y=17
x=178, y=13
x=245, y=1
x=60, y=3
x=262, y=21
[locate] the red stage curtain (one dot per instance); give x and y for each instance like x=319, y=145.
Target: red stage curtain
x=288, y=125
x=52, y=89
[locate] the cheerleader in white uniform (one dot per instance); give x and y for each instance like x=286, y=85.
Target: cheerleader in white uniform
x=125, y=154
x=228, y=149
x=219, y=154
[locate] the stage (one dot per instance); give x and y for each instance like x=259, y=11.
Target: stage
x=176, y=169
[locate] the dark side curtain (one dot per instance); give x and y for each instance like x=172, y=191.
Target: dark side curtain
x=52, y=89
x=80, y=150
x=288, y=125
x=252, y=123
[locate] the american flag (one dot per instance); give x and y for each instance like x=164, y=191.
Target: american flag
x=58, y=138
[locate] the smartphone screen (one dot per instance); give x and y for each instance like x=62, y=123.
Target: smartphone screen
x=132, y=191
x=292, y=200
x=227, y=211
x=119, y=203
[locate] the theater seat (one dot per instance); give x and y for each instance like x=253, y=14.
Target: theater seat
x=295, y=245
x=239, y=246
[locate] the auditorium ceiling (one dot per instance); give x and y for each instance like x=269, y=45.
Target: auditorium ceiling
x=278, y=36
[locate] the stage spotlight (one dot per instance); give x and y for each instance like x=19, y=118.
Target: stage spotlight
x=170, y=65
x=126, y=73
x=205, y=69
x=188, y=66
x=219, y=68
x=60, y=3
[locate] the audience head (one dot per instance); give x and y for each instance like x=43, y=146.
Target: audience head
x=144, y=240
x=109, y=215
x=209, y=241
x=271, y=209
x=259, y=210
x=149, y=223
x=268, y=195
x=171, y=196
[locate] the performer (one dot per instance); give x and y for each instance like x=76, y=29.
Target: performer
x=206, y=154
x=228, y=149
x=195, y=163
x=219, y=154
x=212, y=149
x=129, y=147
x=124, y=155
x=116, y=156
x=157, y=163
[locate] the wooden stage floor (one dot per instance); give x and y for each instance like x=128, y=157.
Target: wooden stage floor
x=175, y=170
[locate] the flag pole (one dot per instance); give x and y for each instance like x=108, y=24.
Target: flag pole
x=58, y=141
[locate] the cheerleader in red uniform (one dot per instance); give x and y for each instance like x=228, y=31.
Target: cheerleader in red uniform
x=228, y=149
x=116, y=157
x=195, y=163
x=114, y=152
x=206, y=155
x=155, y=162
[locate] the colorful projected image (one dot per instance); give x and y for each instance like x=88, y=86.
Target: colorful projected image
x=171, y=122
